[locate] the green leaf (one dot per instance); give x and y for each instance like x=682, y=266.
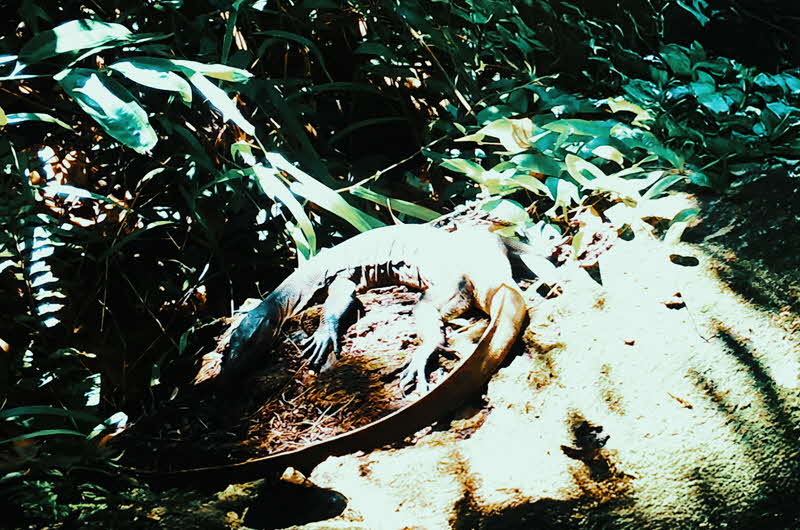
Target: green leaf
x=45, y=432
x=509, y=211
x=618, y=104
x=71, y=36
x=220, y=100
x=398, y=205
x=660, y=187
x=65, y=190
x=564, y=193
x=538, y=163
x=277, y=191
x=217, y=71
x=632, y=137
x=715, y=102
x=677, y=59
x=625, y=189
x=111, y=105
x=514, y=135
x=581, y=127
x=39, y=410
x=467, y=167
x=20, y=117
x=609, y=153
x=530, y=183
x=679, y=224
x=154, y=77
x=696, y=7
x=318, y=193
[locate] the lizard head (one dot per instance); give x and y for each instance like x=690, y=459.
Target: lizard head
x=255, y=333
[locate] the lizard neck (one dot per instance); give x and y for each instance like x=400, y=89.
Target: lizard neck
x=296, y=291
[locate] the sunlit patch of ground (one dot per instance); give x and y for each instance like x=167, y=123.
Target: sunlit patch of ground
x=663, y=398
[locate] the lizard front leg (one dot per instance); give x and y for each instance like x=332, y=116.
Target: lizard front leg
x=341, y=297
x=438, y=305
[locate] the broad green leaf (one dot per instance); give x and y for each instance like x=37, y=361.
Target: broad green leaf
x=538, y=163
x=21, y=117
x=3, y=118
x=679, y=223
x=677, y=59
x=217, y=71
x=625, y=189
x=322, y=195
x=461, y=165
x=715, y=102
x=245, y=151
x=618, y=104
x=663, y=185
x=530, y=183
x=509, y=211
x=576, y=166
x=154, y=77
x=609, y=153
x=277, y=191
x=71, y=36
x=220, y=100
x=398, y=205
x=514, y=135
x=581, y=127
x=633, y=137
x=111, y=105
x=564, y=193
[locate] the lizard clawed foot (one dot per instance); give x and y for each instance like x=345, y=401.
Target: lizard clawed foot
x=411, y=379
x=316, y=349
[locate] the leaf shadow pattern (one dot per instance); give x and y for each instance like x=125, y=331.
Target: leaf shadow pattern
x=752, y=235
x=765, y=427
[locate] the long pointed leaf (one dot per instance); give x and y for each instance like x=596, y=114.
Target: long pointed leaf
x=322, y=195
x=220, y=100
x=71, y=36
x=154, y=77
x=111, y=105
x=277, y=190
x=401, y=206
x=21, y=117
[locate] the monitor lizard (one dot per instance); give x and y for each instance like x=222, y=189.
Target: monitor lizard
x=456, y=270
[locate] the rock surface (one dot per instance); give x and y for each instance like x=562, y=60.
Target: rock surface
x=659, y=399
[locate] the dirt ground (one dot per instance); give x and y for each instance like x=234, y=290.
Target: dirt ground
x=665, y=396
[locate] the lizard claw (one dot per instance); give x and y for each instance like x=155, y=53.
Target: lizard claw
x=412, y=379
x=316, y=348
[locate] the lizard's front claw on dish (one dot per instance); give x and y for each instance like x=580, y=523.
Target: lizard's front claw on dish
x=412, y=379
x=316, y=348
